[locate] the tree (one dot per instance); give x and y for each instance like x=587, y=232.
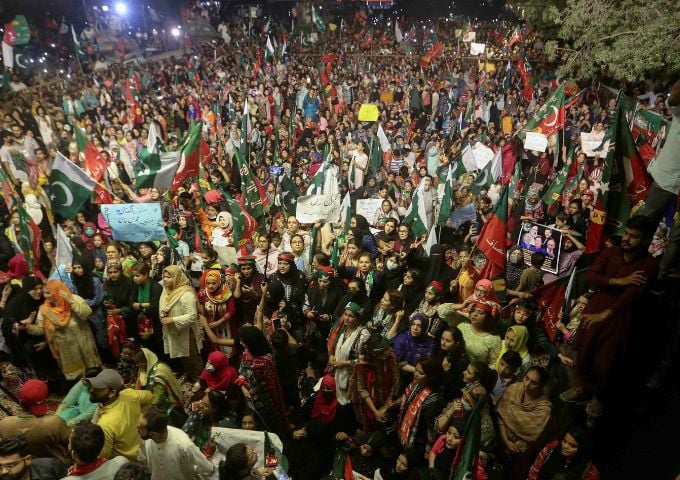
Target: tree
x=628, y=40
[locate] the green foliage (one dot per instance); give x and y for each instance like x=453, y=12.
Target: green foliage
x=632, y=38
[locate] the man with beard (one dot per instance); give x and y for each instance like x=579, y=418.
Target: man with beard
x=167, y=451
x=248, y=289
x=117, y=413
x=16, y=464
x=620, y=277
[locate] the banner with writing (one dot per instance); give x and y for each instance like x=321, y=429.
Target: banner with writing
x=135, y=222
x=591, y=143
x=535, y=141
x=366, y=207
x=311, y=208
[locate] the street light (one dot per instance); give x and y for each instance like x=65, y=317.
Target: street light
x=175, y=32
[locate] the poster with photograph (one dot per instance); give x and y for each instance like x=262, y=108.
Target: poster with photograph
x=534, y=237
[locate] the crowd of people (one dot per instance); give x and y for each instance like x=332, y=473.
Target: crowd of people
x=379, y=344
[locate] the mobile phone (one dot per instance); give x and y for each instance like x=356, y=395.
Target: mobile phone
x=277, y=323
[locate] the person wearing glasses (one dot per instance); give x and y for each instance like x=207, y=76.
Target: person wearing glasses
x=17, y=464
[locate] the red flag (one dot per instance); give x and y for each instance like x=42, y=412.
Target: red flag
x=492, y=240
x=625, y=183
x=431, y=54
x=508, y=161
x=550, y=301
x=94, y=163
x=102, y=196
x=524, y=71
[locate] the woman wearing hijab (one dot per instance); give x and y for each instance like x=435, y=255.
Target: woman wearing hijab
x=325, y=401
x=566, y=458
x=89, y=288
x=288, y=285
x=17, y=269
x=157, y=377
x=362, y=233
x=344, y=346
x=259, y=382
x=164, y=257
x=374, y=385
x=179, y=316
x=218, y=307
x=218, y=373
x=62, y=319
x=119, y=295
x=517, y=338
x=24, y=305
x=146, y=296
x=514, y=268
x=413, y=344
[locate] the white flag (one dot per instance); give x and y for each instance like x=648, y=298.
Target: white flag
x=431, y=239
x=397, y=32
x=384, y=142
x=64, y=249
x=7, y=55
x=497, y=165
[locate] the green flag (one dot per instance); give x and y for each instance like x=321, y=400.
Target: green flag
x=155, y=168
x=483, y=180
x=416, y=216
x=251, y=189
x=375, y=156
x=553, y=194
x=70, y=187
x=289, y=195
x=243, y=223
x=318, y=21
x=447, y=199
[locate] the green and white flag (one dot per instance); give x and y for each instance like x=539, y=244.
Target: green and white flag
x=346, y=212
x=318, y=21
x=447, y=199
x=80, y=53
x=155, y=167
x=416, y=216
x=70, y=187
x=269, y=50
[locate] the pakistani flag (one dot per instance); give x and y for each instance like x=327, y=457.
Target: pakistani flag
x=246, y=128
x=70, y=187
x=155, y=168
x=554, y=193
x=416, y=216
x=289, y=195
x=447, y=198
x=483, y=180
x=269, y=50
x=80, y=53
x=318, y=21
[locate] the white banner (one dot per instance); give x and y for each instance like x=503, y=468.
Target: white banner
x=483, y=155
x=536, y=142
x=225, y=438
x=311, y=208
x=591, y=141
x=366, y=207
x=477, y=48
x=469, y=37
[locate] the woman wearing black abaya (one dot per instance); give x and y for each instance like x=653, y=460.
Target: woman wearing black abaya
x=89, y=287
x=119, y=294
x=22, y=306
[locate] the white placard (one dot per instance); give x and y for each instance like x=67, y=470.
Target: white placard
x=483, y=155
x=477, y=48
x=535, y=141
x=225, y=438
x=469, y=37
x=591, y=141
x=311, y=208
x=366, y=207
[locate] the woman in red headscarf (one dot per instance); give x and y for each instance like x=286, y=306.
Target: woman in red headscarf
x=218, y=373
x=218, y=307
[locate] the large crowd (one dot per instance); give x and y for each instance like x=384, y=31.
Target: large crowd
x=389, y=345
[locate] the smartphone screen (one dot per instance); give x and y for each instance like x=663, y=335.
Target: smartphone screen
x=280, y=473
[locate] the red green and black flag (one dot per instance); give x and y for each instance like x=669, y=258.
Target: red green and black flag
x=526, y=73
x=549, y=118
x=465, y=464
x=625, y=183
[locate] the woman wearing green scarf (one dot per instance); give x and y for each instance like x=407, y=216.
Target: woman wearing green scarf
x=157, y=377
x=145, y=305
